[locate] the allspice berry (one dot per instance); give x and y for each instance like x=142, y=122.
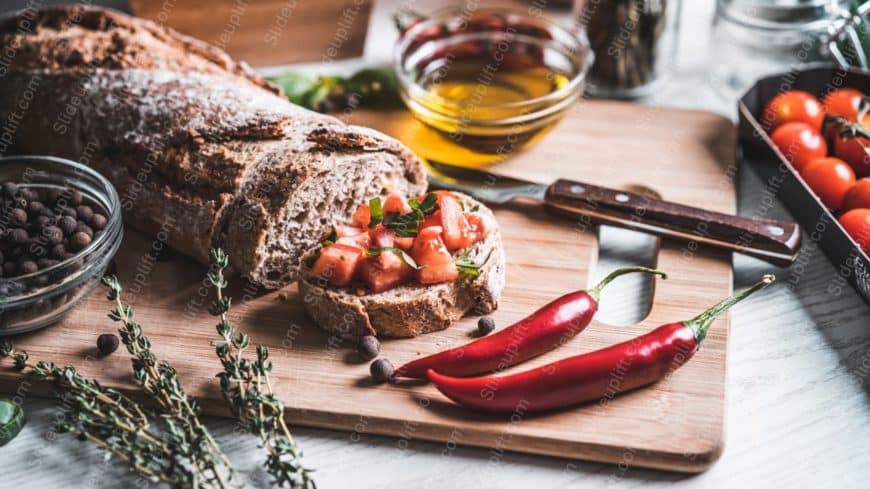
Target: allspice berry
x=84, y=212
x=107, y=343
x=53, y=235
x=79, y=241
x=28, y=267
x=369, y=347
x=67, y=224
x=98, y=221
x=485, y=325
x=382, y=370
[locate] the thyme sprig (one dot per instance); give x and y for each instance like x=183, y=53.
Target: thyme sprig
x=246, y=387
x=179, y=412
x=109, y=420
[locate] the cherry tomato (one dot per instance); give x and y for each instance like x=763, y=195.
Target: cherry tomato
x=793, y=106
x=855, y=152
x=858, y=196
x=800, y=143
x=830, y=179
x=857, y=224
x=843, y=102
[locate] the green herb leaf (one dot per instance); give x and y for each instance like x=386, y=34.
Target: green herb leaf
x=330, y=238
x=376, y=212
x=11, y=420
x=466, y=267
x=408, y=225
x=465, y=208
x=398, y=251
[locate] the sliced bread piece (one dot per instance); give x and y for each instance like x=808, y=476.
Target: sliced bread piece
x=408, y=310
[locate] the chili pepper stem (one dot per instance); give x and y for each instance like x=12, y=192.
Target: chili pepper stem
x=702, y=322
x=595, y=292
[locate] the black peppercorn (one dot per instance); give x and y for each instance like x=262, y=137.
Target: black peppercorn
x=107, y=343
x=485, y=325
x=382, y=370
x=79, y=241
x=368, y=347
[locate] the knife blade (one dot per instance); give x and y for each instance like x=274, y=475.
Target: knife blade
x=774, y=241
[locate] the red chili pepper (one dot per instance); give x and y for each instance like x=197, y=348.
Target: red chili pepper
x=599, y=375
x=545, y=329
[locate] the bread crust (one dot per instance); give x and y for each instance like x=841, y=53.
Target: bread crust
x=408, y=310
x=199, y=147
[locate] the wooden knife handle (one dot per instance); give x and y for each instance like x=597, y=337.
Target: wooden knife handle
x=776, y=242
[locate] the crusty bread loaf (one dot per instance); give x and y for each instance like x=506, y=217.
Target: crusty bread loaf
x=408, y=310
x=203, y=152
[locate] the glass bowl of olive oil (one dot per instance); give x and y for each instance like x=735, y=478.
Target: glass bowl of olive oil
x=485, y=85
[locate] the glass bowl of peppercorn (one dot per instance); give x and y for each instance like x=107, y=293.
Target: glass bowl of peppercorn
x=60, y=227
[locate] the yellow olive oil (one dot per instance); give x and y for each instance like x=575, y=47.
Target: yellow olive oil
x=472, y=114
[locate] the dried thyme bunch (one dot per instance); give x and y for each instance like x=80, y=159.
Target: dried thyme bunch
x=247, y=389
x=179, y=412
x=110, y=420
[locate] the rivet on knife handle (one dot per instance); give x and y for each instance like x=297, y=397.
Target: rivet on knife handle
x=776, y=242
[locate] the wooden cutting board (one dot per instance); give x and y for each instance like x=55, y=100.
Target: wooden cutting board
x=676, y=424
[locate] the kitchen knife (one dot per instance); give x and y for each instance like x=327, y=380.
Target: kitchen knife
x=776, y=242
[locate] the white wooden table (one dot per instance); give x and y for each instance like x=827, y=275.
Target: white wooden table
x=798, y=413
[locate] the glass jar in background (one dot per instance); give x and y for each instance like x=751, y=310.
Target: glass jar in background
x=754, y=38
x=634, y=42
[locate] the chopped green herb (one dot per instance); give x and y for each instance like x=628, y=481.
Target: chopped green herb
x=465, y=208
x=11, y=420
x=376, y=212
x=466, y=266
x=398, y=251
x=408, y=225
x=330, y=238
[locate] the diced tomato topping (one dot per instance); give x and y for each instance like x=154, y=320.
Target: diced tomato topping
x=396, y=204
x=478, y=226
x=359, y=240
x=384, y=272
x=430, y=253
x=404, y=244
x=337, y=263
x=431, y=220
x=343, y=230
x=456, y=229
x=362, y=216
x=382, y=237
